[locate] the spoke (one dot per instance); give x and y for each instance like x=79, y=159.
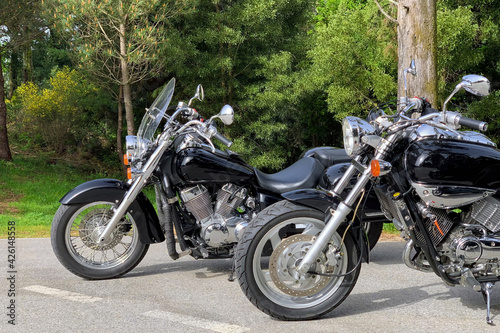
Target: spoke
x=267, y=276
x=105, y=257
x=312, y=229
x=126, y=246
x=116, y=253
x=275, y=240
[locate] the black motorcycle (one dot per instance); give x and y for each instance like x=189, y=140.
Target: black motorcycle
x=438, y=185
x=205, y=197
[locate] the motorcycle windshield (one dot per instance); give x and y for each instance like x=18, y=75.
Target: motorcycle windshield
x=155, y=113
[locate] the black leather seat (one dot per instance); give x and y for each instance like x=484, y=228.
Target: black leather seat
x=304, y=173
x=329, y=155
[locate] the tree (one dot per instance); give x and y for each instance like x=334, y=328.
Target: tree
x=417, y=39
x=235, y=48
x=5, y=153
x=118, y=41
x=19, y=27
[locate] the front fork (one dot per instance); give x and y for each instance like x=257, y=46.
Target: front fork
x=133, y=191
x=339, y=215
x=344, y=208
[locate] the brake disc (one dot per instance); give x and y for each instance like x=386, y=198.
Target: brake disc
x=92, y=226
x=284, y=262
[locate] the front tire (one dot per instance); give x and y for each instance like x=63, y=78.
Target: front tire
x=75, y=230
x=271, y=248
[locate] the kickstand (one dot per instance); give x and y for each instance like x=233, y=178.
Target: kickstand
x=233, y=269
x=486, y=289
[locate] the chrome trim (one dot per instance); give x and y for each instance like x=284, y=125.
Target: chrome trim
x=425, y=131
x=448, y=197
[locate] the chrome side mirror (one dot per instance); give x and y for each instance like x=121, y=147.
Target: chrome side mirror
x=413, y=71
x=476, y=84
x=200, y=94
x=226, y=114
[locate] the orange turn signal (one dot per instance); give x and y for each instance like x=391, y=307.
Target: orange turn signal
x=375, y=168
x=125, y=159
x=129, y=173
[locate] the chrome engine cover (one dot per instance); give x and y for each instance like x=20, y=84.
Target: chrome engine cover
x=219, y=224
x=467, y=251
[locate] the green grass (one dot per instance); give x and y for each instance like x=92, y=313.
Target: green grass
x=31, y=187
x=390, y=228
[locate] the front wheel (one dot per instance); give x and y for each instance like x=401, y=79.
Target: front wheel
x=272, y=247
x=74, y=234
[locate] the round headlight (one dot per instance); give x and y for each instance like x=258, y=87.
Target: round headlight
x=135, y=147
x=353, y=128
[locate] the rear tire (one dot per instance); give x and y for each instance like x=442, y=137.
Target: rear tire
x=269, y=280
x=75, y=229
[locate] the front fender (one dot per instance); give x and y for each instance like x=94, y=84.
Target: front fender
x=317, y=199
x=113, y=190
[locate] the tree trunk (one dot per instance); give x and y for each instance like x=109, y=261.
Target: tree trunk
x=4, y=139
x=125, y=82
x=28, y=64
x=14, y=66
x=119, y=142
x=417, y=39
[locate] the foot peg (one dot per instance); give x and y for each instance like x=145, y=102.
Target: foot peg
x=486, y=289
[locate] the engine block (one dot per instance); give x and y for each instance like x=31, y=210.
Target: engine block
x=220, y=225
x=487, y=213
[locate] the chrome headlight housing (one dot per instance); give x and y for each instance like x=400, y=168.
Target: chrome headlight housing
x=353, y=129
x=135, y=148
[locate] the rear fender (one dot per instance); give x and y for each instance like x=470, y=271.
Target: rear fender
x=113, y=190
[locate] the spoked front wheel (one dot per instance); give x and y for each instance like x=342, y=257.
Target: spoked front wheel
x=75, y=232
x=273, y=246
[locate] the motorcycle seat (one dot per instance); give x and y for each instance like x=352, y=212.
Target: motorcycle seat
x=329, y=156
x=304, y=173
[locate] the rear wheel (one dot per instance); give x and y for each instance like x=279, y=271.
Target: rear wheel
x=74, y=234
x=271, y=249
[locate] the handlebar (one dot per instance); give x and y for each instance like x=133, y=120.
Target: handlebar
x=454, y=118
x=474, y=124
x=223, y=139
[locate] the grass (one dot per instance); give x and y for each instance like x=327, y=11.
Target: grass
x=31, y=187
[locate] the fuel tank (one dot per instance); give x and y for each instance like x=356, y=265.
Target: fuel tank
x=199, y=165
x=451, y=173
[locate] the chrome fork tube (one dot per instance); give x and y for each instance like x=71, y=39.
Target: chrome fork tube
x=133, y=191
x=344, y=181
x=343, y=209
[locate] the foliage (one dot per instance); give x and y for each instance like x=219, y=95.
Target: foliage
x=55, y=114
x=229, y=46
x=95, y=28
x=354, y=58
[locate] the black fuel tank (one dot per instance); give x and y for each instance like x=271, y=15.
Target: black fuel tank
x=453, y=163
x=198, y=165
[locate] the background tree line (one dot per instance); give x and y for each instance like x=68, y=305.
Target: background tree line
x=75, y=71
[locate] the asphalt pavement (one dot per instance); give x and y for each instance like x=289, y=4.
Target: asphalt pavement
x=38, y=295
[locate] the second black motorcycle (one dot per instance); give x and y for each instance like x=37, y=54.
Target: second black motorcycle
x=439, y=186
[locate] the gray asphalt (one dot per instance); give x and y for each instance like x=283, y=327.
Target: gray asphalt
x=194, y=296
